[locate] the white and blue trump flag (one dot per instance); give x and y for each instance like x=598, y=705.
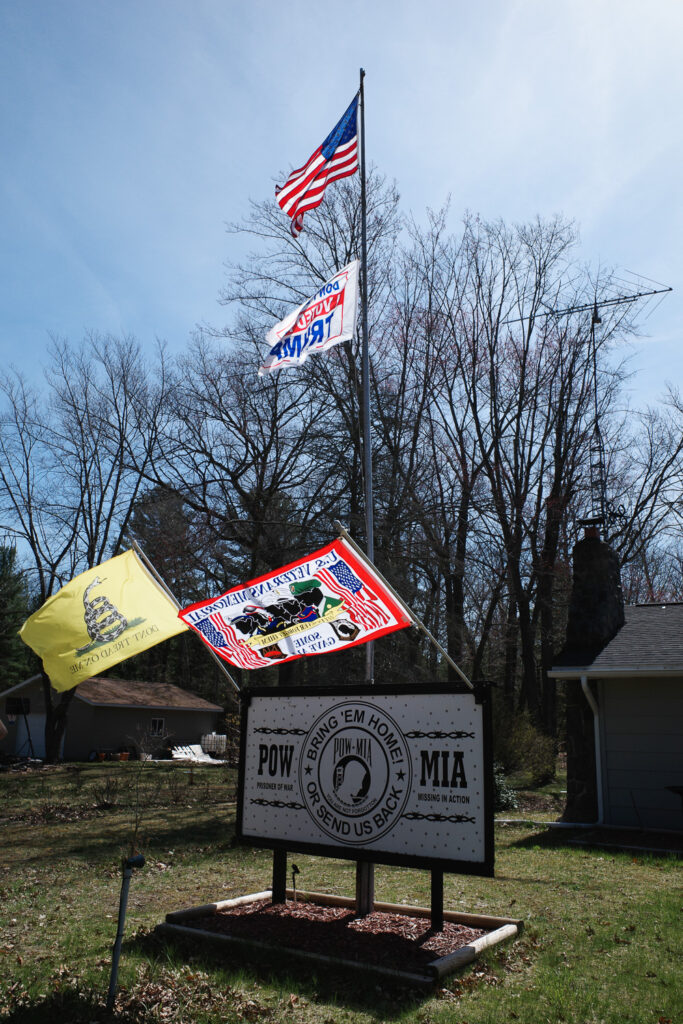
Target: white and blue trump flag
x=319, y=323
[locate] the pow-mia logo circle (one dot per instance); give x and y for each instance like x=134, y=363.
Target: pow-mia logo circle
x=355, y=772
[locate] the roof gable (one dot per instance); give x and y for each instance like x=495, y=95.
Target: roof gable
x=125, y=693
x=135, y=694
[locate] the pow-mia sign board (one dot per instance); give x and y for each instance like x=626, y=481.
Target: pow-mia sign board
x=389, y=774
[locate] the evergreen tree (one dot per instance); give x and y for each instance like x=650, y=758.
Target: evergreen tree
x=14, y=655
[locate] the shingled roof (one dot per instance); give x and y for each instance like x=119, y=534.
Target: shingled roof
x=128, y=694
x=649, y=643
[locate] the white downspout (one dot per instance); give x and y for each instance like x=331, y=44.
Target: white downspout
x=598, y=753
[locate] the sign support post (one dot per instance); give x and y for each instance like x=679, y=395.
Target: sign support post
x=279, y=894
x=437, y=900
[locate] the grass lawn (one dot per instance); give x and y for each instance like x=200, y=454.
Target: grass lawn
x=601, y=940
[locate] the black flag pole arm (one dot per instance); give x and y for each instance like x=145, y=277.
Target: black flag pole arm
x=169, y=593
x=345, y=535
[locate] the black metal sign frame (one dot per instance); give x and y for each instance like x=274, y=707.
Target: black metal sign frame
x=356, y=697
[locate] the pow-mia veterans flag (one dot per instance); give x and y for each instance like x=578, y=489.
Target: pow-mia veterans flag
x=106, y=614
x=328, y=601
x=326, y=319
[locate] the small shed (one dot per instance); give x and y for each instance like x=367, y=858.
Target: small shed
x=634, y=687
x=108, y=715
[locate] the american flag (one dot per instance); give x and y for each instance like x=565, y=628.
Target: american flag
x=336, y=158
x=243, y=654
x=363, y=605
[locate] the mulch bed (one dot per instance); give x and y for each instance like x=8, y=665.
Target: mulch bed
x=381, y=939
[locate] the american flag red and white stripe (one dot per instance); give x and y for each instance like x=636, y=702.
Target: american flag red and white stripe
x=336, y=158
x=363, y=605
x=243, y=654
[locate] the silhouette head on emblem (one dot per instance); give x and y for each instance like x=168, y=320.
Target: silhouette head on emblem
x=351, y=779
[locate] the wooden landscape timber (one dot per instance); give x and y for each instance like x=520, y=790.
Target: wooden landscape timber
x=498, y=929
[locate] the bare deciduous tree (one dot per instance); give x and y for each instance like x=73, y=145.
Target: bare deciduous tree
x=73, y=461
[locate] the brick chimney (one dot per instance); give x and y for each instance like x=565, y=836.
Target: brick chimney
x=596, y=608
x=596, y=614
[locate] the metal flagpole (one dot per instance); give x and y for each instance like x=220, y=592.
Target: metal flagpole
x=365, y=871
x=152, y=571
x=367, y=426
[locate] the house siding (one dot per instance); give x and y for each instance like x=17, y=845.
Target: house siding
x=642, y=752
x=112, y=729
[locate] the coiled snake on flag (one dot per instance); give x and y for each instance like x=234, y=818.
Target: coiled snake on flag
x=95, y=609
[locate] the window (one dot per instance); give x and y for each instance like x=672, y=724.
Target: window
x=157, y=727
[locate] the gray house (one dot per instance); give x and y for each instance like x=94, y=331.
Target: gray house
x=107, y=715
x=633, y=690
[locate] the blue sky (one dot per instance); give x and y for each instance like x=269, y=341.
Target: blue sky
x=132, y=132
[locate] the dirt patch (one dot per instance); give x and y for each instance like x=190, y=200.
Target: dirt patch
x=539, y=803
x=381, y=939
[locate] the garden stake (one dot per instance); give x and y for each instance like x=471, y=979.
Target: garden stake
x=295, y=872
x=128, y=865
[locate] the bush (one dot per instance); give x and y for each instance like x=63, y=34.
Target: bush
x=504, y=796
x=106, y=791
x=542, y=760
x=518, y=745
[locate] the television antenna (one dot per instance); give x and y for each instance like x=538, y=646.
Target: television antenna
x=602, y=511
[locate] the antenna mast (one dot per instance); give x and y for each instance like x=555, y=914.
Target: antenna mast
x=597, y=448
x=600, y=507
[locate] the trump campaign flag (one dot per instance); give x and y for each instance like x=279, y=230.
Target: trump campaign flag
x=319, y=323
x=336, y=158
x=106, y=614
x=328, y=601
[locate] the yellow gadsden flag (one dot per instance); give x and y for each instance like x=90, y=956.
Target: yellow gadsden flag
x=106, y=614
